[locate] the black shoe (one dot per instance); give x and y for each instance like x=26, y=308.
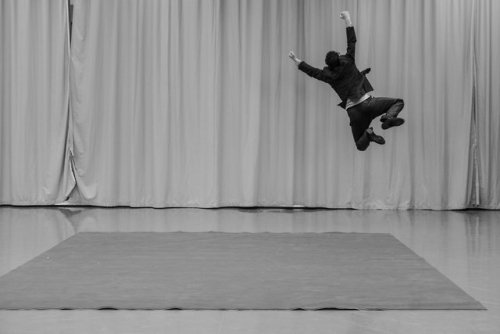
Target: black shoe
x=389, y=122
x=375, y=138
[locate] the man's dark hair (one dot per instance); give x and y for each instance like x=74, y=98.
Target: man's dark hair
x=332, y=59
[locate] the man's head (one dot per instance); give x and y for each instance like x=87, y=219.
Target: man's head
x=332, y=59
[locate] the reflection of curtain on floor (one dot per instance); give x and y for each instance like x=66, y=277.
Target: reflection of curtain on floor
x=34, y=92
x=186, y=103
x=28, y=232
x=487, y=101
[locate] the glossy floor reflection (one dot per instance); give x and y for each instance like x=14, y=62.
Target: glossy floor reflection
x=465, y=246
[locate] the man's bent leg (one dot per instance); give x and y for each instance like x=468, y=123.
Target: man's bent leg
x=389, y=108
x=360, y=125
x=360, y=136
x=363, y=142
x=395, y=109
x=363, y=136
x=386, y=106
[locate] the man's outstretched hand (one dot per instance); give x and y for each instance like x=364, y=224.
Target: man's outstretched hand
x=294, y=57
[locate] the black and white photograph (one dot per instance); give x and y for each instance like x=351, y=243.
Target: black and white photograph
x=250, y=166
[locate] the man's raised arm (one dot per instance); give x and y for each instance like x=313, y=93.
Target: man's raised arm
x=351, y=35
x=308, y=69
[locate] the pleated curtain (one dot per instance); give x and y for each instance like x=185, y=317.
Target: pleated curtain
x=34, y=92
x=487, y=104
x=194, y=103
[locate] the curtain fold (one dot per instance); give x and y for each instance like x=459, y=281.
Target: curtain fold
x=34, y=93
x=195, y=103
x=487, y=102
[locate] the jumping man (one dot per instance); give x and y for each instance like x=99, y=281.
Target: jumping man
x=353, y=87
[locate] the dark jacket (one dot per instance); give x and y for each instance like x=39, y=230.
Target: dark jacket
x=345, y=78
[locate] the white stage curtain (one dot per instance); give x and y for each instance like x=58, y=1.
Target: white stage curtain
x=487, y=102
x=195, y=103
x=34, y=93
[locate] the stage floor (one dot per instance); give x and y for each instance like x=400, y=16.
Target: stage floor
x=463, y=245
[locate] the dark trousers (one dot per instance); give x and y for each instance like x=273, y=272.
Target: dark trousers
x=361, y=116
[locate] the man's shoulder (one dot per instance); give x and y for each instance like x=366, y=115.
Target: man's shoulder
x=327, y=71
x=346, y=59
